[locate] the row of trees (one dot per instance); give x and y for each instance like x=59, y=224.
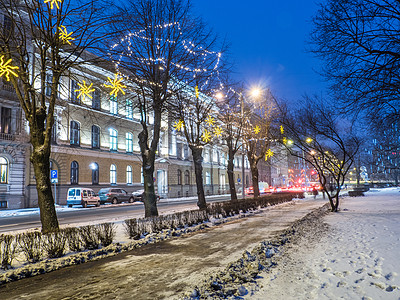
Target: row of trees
x=174, y=65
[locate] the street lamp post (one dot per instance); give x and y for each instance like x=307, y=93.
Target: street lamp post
x=242, y=115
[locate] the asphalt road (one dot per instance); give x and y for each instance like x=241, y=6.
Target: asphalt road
x=117, y=212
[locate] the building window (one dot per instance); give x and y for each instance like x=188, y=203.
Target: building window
x=95, y=137
x=129, y=175
x=96, y=100
x=179, y=177
x=74, y=94
x=74, y=172
x=8, y=27
x=129, y=109
x=187, y=177
x=74, y=138
x=95, y=173
x=113, y=105
x=129, y=142
x=208, y=178
x=113, y=139
x=5, y=120
x=113, y=174
x=49, y=82
x=3, y=170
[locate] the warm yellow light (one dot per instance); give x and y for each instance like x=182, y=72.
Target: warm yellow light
x=309, y=140
x=312, y=152
x=219, y=95
x=290, y=142
x=255, y=92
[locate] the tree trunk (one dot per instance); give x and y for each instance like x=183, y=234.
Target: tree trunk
x=40, y=159
x=231, y=176
x=149, y=199
x=254, y=177
x=198, y=169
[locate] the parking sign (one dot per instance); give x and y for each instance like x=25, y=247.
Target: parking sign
x=54, y=176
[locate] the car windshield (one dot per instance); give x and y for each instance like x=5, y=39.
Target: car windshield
x=103, y=191
x=71, y=193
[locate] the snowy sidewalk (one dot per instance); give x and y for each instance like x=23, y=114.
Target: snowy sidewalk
x=358, y=258
x=162, y=270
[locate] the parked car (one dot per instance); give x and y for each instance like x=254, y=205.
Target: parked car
x=139, y=195
x=82, y=196
x=115, y=196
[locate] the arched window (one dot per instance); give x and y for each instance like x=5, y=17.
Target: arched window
x=3, y=170
x=128, y=175
x=113, y=139
x=95, y=137
x=187, y=177
x=74, y=172
x=74, y=138
x=95, y=173
x=179, y=177
x=208, y=178
x=113, y=174
x=129, y=142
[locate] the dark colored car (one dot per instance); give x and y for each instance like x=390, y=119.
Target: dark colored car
x=139, y=194
x=115, y=195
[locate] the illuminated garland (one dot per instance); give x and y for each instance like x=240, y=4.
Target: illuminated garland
x=6, y=69
x=85, y=90
x=53, y=2
x=64, y=35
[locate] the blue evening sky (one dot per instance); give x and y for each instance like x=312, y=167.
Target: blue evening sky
x=268, y=42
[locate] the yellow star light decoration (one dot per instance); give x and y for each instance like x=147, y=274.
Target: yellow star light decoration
x=64, y=35
x=85, y=90
x=115, y=86
x=257, y=129
x=179, y=125
x=269, y=154
x=282, y=130
x=6, y=69
x=284, y=140
x=206, y=137
x=52, y=2
x=217, y=131
x=210, y=121
x=196, y=91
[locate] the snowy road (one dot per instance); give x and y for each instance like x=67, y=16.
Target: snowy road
x=162, y=270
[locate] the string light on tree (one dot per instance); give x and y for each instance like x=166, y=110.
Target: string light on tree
x=64, y=35
x=210, y=121
x=217, y=132
x=53, y=2
x=269, y=154
x=115, y=86
x=281, y=128
x=85, y=90
x=196, y=91
x=179, y=125
x=206, y=137
x=7, y=69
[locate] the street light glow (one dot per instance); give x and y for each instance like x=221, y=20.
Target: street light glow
x=255, y=92
x=219, y=95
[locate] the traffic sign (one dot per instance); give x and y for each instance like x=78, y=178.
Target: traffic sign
x=53, y=174
x=54, y=180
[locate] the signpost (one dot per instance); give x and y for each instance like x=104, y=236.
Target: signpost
x=54, y=179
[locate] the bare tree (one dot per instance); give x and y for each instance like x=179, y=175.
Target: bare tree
x=41, y=39
x=327, y=142
x=358, y=41
x=161, y=51
x=257, y=138
x=231, y=118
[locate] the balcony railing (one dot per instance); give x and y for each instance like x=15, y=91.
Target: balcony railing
x=7, y=136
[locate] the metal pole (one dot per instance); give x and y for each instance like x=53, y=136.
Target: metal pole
x=242, y=113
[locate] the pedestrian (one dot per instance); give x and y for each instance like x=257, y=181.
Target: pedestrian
x=315, y=192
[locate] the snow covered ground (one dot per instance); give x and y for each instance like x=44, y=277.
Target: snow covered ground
x=357, y=258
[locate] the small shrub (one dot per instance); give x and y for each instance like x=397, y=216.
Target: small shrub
x=89, y=237
x=131, y=228
x=106, y=233
x=31, y=245
x=8, y=248
x=54, y=244
x=73, y=239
